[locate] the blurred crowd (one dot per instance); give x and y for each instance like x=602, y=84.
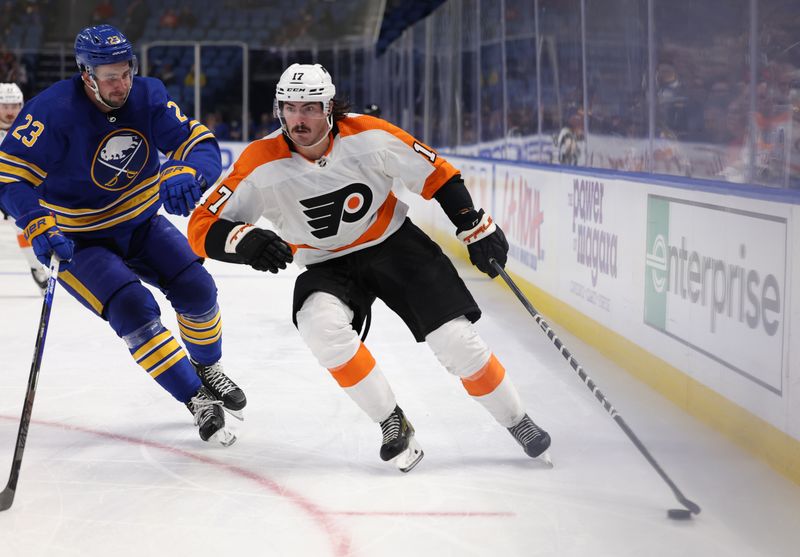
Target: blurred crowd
x=707, y=117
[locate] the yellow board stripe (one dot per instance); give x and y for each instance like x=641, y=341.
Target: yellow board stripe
x=151, y=344
x=155, y=358
x=779, y=449
x=168, y=364
x=196, y=324
x=201, y=342
x=70, y=280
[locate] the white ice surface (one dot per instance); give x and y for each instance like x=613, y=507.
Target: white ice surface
x=114, y=466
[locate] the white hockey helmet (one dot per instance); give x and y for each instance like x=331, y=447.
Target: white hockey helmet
x=305, y=83
x=10, y=93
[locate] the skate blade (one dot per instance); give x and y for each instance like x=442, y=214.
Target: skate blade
x=238, y=414
x=545, y=457
x=410, y=457
x=223, y=437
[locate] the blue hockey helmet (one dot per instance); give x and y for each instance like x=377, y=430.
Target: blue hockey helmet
x=102, y=44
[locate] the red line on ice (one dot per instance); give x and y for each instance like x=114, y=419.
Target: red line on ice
x=339, y=542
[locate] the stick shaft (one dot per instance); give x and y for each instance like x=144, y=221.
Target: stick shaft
x=7, y=495
x=601, y=398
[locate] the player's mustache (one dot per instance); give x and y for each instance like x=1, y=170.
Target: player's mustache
x=300, y=128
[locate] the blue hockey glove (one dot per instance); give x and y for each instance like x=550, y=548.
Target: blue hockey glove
x=40, y=229
x=181, y=188
x=485, y=241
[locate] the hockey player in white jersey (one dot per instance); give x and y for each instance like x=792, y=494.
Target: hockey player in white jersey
x=325, y=181
x=11, y=101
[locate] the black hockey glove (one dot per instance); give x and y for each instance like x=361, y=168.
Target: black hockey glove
x=264, y=250
x=485, y=241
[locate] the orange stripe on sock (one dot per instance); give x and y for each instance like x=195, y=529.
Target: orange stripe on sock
x=486, y=379
x=356, y=369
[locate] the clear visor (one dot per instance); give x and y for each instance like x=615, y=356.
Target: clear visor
x=109, y=74
x=310, y=110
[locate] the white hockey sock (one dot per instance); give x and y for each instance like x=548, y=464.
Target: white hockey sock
x=503, y=403
x=373, y=395
x=462, y=351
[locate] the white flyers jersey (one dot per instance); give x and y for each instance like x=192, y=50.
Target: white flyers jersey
x=340, y=203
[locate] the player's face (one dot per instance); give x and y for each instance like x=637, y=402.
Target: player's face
x=114, y=82
x=7, y=114
x=306, y=122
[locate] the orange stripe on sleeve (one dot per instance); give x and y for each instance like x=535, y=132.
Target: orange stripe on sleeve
x=356, y=369
x=486, y=379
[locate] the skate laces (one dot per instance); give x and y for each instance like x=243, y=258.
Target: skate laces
x=525, y=431
x=217, y=379
x=201, y=407
x=391, y=427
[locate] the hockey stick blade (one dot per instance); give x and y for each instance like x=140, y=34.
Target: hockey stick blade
x=7, y=495
x=690, y=505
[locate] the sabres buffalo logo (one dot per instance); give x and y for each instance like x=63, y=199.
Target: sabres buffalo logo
x=325, y=212
x=119, y=159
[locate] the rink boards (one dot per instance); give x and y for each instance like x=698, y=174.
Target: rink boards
x=689, y=290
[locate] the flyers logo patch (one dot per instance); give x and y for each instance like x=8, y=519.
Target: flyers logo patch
x=326, y=212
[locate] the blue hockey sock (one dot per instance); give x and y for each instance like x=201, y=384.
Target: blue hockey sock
x=202, y=335
x=156, y=350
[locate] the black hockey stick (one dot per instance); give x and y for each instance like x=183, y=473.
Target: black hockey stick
x=7, y=495
x=691, y=507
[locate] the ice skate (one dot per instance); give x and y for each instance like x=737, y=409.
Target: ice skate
x=40, y=277
x=533, y=439
x=207, y=412
x=222, y=388
x=399, y=444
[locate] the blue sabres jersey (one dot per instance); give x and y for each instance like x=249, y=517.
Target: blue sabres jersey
x=98, y=172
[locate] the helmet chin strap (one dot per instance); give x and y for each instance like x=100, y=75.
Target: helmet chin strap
x=96, y=90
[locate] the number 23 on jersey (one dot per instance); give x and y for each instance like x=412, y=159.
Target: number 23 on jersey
x=28, y=137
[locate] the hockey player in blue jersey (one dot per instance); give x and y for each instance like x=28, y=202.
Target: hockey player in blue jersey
x=80, y=173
